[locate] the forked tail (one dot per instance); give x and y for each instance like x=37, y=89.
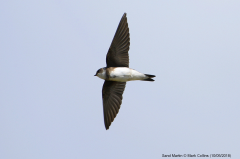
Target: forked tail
x=149, y=77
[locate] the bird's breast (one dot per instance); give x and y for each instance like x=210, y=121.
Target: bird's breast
x=124, y=74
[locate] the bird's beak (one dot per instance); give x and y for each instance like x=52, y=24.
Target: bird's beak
x=95, y=75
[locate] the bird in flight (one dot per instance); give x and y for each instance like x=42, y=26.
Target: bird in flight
x=117, y=72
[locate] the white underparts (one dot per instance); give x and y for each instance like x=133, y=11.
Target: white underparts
x=123, y=74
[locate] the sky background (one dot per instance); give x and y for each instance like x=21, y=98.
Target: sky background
x=51, y=104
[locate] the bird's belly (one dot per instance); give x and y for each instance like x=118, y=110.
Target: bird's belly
x=125, y=74
x=122, y=78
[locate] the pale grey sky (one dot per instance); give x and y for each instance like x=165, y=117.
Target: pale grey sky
x=50, y=102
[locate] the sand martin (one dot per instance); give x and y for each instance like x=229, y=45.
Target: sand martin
x=117, y=72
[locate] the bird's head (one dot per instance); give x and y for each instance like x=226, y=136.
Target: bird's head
x=100, y=73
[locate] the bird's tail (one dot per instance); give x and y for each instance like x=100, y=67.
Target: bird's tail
x=149, y=77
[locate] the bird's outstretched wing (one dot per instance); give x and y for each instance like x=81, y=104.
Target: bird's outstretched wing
x=112, y=99
x=117, y=55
